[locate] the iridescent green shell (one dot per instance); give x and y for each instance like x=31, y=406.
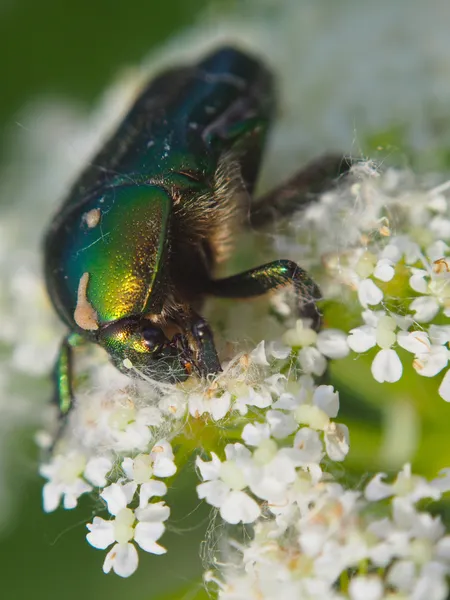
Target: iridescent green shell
x=105, y=255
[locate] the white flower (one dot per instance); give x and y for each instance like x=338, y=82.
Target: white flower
x=379, y=330
x=145, y=526
x=130, y=426
x=96, y=470
x=312, y=361
x=369, y=294
x=312, y=407
x=300, y=336
x=425, y=308
x=281, y=425
x=258, y=355
x=252, y=396
x=224, y=483
x=65, y=480
x=434, y=283
x=366, y=588
x=332, y=343
x=142, y=469
x=405, y=485
x=384, y=270
x=216, y=406
x=173, y=404
x=337, y=441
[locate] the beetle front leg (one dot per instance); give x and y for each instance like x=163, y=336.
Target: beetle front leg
x=299, y=191
x=271, y=276
x=202, y=341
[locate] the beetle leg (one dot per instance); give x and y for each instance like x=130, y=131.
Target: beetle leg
x=299, y=191
x=202, y=340
x=271, y=276
x=63, y=376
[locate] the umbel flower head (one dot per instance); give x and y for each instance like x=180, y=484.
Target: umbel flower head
x=273, y=438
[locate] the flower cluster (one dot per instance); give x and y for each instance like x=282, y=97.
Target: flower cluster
x=267, y=461
x=307, y=543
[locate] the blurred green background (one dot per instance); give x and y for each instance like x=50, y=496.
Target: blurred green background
x=73, y=50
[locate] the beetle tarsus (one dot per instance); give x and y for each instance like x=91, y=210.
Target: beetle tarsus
x=207, y=361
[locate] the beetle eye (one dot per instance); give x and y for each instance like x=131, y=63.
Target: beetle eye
x=153, y=337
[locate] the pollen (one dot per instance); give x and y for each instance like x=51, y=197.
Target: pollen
x=85, y=316
x=92, y=218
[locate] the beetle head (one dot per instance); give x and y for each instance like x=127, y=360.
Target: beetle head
x=146, y=347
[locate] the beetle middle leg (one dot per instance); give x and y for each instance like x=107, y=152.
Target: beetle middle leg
x=272, y=276
x=299, y=191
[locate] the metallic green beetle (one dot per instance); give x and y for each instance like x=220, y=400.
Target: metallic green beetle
x=130, y=255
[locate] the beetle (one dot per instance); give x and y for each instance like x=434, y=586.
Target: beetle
x=131, y=253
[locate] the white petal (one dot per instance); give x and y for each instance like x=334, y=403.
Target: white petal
x=123, y=559
x=286, y=402
x=440, y=227
x=431, y=583
x=442, y=483
x=333, y=343
x=220, y=406
x=402, y=575
x=376, y=489
x=209, y=469
x=254, y=433
x=150, y=490
x=416, y=342
x=150, y=416
x=337, y=441
x=366, y=588
x=362, y=338
x=153, y=513
x=258, y=355
x=214, y=492
x=73, y=492
x=308, y=446
x=164, y=467
x=239, y=507
x=371, y=317
x=101, y=533
x=276, y=383
x=369, y=294
x=437, y=249
x=418, y=282
x=425, y=308
x=384, y=271
x=327, y=399
x=432, y=363
x=444, y=388
x=197, y=405
x=51, y=496
x=392, y=253
x=443, y=548
x=312, y=361
x=127, y=466
x=281, y=425
x=261, y=399
x=278, y=350
x=439, y=334
x=117, y=496
x=238, y=453
x=386, y=366
x=96, y=470
x=146, y=534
